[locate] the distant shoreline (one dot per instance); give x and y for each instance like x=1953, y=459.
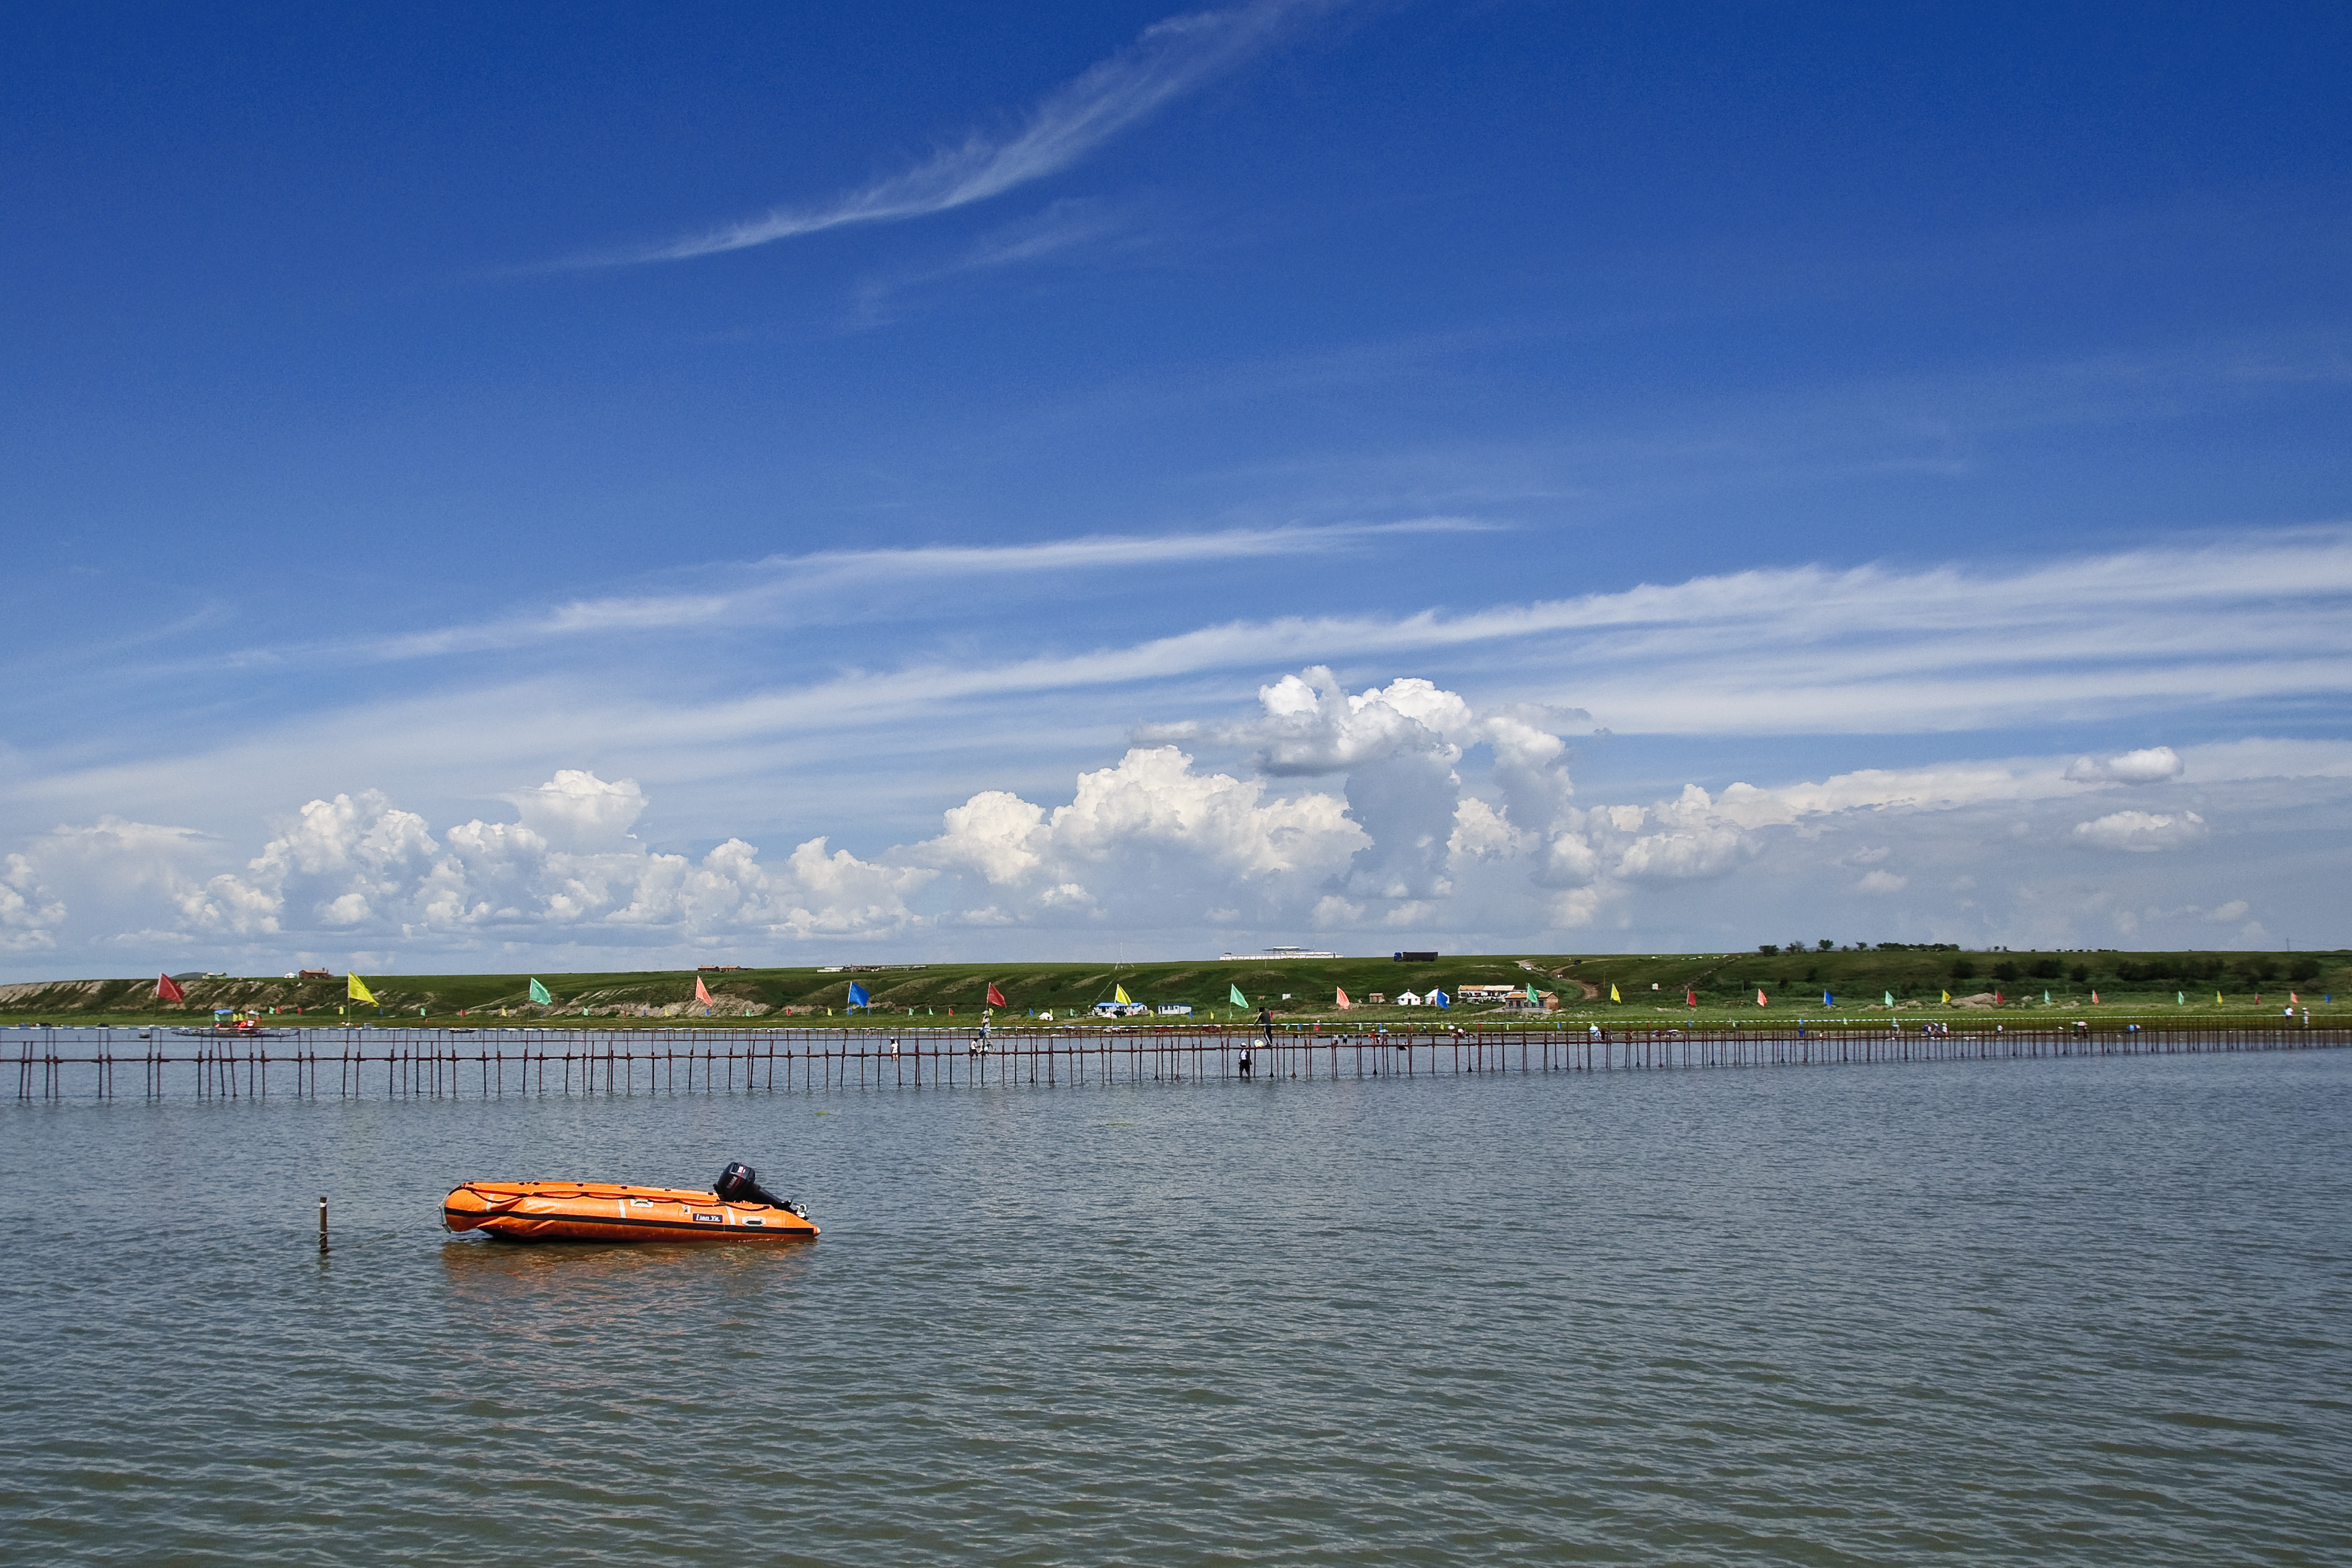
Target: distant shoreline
x=1654, y=991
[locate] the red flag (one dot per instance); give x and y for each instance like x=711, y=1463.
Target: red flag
x=167, y=989
x=1760, y=1001
x=1690, y=995
x=995, y=996
x=701, y=991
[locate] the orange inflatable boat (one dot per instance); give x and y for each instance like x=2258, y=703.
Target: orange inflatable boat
x=739, y=1209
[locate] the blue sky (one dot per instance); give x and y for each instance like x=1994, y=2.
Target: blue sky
x=496, y=490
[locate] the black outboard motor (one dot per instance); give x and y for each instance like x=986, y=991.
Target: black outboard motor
x=739, y=1183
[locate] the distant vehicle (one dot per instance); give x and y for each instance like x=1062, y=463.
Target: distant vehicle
x=1174, y=1009
x=1121, y=1010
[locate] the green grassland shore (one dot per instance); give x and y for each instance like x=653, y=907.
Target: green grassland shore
x=1655, y=991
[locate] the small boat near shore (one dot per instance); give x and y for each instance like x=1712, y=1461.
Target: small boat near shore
x=737, y=1209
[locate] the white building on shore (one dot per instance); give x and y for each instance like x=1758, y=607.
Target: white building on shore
x=1279, y=953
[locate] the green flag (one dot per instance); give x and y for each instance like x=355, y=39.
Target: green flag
x=1239, y=1000
x=539, y=994
x=1890, y=998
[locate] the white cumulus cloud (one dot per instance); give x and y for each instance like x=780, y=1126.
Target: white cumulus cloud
x=1399, y=748
x=1152, y=806
x=1402, y=809
x=360, y=867
x=1704, y=851
x=28, y=911
x=2141, y=829
x=2151, y=764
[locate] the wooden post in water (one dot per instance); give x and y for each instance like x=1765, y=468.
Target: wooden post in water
x=322, y=1226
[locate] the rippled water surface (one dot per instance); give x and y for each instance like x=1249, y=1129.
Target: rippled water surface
x=2071, y=1311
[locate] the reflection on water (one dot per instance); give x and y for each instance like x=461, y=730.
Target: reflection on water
x=484, y=1274
x=2088, y=1311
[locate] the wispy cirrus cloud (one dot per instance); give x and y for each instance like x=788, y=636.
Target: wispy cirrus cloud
x=762, y=587
x=1804, y=650
x=1170, y=59
x=1808, y=650
x=2259, y=623
x=1774, y=653
x=1065, y=229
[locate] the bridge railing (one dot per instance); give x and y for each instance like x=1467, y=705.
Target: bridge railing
x=55, y=1064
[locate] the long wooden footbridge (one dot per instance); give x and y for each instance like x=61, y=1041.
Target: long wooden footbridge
x=56, y=1064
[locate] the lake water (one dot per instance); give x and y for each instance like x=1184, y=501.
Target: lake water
x=2087, y=1311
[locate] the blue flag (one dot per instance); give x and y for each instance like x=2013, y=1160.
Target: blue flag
x=1828, y=1000
x=1439, y=999
x=857, y=997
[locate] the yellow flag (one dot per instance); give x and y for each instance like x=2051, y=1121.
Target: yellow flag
x=1948, y=999
x=1613, y=992
x=356, y=989
x=1119, y=994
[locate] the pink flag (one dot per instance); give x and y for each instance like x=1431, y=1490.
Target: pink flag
x=1344, y=1003
x=1760, y=1001
x=701, y=991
